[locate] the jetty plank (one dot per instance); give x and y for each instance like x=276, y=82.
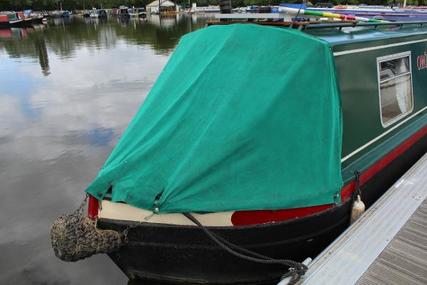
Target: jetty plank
x=387, y=245
x=404, y=260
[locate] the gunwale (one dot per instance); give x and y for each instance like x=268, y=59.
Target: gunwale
x=394, y=44
x=366, y=36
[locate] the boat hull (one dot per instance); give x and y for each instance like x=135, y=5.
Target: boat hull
x=184, y=254
x=28, y=22
x=12, y=24
x=37, y=20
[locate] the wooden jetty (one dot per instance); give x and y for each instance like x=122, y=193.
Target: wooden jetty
x=387, y=245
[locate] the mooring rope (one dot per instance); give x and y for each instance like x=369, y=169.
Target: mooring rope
x=296, y=269
x=357, y=191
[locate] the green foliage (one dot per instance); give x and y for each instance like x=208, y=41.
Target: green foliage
x=87, y=4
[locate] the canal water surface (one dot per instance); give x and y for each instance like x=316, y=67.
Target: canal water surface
x=67, y=92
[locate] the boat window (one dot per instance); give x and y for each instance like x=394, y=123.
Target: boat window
x=395, y=87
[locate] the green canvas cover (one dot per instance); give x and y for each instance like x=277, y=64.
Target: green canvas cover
x=243, y=117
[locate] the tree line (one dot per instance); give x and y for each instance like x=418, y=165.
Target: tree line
x=87, y=4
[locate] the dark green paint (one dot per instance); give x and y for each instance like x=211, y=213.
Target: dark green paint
x=383, y=147
x=358, y=83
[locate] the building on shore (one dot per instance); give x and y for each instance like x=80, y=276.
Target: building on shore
x=160, y=6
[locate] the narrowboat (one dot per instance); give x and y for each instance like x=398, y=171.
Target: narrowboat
x=10, y=19
x=98, y=13
x=123, y=12
x=25, y=16
x=86, y=13
x=378, y=12
x=136, y=12
x=37, y=19
x=257, y=139
x=60, y=14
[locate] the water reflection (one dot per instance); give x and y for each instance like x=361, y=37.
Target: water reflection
x=67, y=92
x=64, y=35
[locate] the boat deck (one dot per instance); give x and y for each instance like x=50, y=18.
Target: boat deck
x=387, y=245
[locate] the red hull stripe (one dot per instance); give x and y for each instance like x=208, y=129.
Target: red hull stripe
x=243, y=218
x=348, y=189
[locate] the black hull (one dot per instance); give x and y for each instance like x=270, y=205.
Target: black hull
x=37, y=21
x=27, y=23
x=12, y=24
x=185, y=255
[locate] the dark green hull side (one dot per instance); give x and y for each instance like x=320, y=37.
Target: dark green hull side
x=365, y=139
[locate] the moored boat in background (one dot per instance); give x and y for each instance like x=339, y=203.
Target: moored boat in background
x=378, y=12
x=86, y=13
x=10, y=19
x=123, y=12
x=136, y=12
x=98, y=13
x=26, y=18
x=37, y=18
x=94, y=13
x=60, y=14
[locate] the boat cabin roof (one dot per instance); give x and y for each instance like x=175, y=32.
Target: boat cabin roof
x=347, y=34
x=341, y=34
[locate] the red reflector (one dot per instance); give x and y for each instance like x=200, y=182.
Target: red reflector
x=92, y=208
x=245, y=218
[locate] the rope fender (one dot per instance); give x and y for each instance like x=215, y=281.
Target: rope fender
x=74, y=237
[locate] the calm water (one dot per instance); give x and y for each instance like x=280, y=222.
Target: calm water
x=67, y=92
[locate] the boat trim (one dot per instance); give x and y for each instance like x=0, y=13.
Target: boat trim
x=382, y=135
x=357, y=50
x=125, y=212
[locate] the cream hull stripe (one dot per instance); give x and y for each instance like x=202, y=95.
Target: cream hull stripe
x=125, y=212
x=338, y=53
x=382, y=135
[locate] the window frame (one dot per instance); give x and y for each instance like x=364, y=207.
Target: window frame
x=388, y=58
